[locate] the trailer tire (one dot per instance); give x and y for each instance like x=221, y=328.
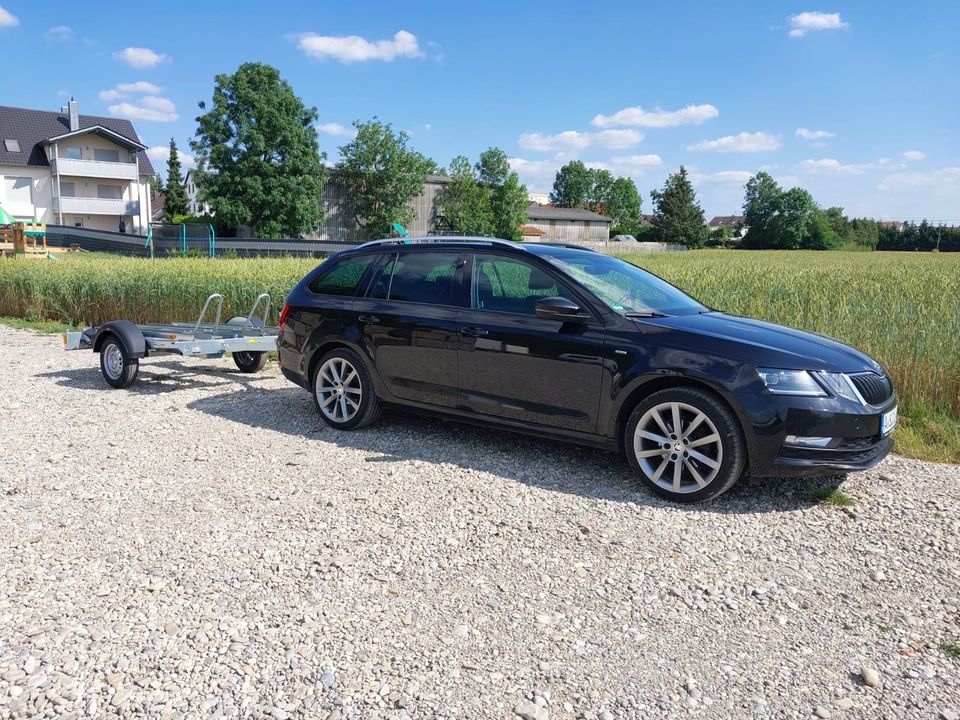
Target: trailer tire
x=250, y=362
x=118, y=368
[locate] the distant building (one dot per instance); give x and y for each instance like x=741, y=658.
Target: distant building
x=540, y=198
x=194, y=206
x=734, y=222
x=568, y=224
x=70, y=169
x=897, y=225
x=531, y=233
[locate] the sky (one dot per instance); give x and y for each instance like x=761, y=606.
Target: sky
x=858, y=102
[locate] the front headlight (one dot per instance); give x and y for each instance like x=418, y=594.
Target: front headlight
x=839, y=384
x=791, y=382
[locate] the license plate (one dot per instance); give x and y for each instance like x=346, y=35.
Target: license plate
x=888, y=421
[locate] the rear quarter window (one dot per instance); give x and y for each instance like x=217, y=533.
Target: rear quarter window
x=341, y=278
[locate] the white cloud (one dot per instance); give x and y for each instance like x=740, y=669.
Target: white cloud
x=573, y=140
x=536, y=174
x=814, y=134
x=943, y=181
x=124, y=90
x=160, y=153
x=634, y=164
x=914, y=155
x=353, y=48
x=140, y=57
x=428, y=127
x=743, y=142
x=830, y=165
x=805, y=22
x=60, y=32
x=638, y=117
x=151, y=108
x=7, y=18
x=336, y=129
x=723, y=177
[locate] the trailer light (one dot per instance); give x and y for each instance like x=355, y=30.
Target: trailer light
x=64, y=338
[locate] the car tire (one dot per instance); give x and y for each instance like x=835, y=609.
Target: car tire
x=708, y=447
x=118, y=369
x=343, y=390
x=250, y=362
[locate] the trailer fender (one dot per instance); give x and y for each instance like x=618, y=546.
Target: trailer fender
x=129, y=335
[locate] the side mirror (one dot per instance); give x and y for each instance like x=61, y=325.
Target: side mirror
x=561, y=309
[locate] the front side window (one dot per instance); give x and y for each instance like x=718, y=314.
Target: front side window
x=624, y=287
x=343, y=278
x=505, y=284
x=423, y=277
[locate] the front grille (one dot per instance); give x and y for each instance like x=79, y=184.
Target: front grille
x=875, y=389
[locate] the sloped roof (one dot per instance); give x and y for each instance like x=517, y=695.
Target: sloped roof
x=548, y=212
x=531, y=230
x=31, y=128
x=727, y=220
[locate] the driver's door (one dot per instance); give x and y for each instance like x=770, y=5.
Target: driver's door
x=516, y=366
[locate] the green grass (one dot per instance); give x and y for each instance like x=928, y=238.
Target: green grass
x=833, y=497
x=951, y=650
x=42, y=326
x=901, y=308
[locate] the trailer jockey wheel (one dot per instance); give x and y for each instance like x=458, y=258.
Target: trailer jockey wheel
x=250, y=362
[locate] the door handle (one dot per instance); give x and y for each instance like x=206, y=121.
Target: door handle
x=473, y=332
x=370, y=319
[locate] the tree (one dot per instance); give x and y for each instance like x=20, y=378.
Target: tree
x=623, y=205
x=176, y=202
x=508, y=196
x=572, y=186
x=464, y=204
x=156, y=186
x=601, y=187
x=794, y=224
x=381, y=174
x=259, y=144
x=485, y=199
x=761, y=205
x=677, y=216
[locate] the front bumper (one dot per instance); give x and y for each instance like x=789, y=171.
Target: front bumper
x=858, y=443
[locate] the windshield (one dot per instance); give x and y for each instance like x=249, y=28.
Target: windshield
x=625, y=287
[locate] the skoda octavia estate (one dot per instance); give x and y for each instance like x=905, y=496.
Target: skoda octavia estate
x=560, y=341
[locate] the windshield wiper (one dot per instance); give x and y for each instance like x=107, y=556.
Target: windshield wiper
x=639, y=314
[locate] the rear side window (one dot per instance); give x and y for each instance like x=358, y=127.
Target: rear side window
x=422, y=277
x=343, y=277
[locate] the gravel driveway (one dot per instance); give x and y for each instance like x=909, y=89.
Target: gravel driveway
x=201, y=545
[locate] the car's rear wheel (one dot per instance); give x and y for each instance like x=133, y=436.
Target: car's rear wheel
x=343, y=390
x=685, y=444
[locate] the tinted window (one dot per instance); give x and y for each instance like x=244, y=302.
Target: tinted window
x=343, y=278
x=422, y=277
x=506, y=284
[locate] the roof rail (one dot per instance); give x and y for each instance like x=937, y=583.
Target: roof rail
x=442, y=239
x=572, y=246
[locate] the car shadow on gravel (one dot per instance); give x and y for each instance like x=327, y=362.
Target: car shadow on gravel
x=156, y=378
x=544, y=463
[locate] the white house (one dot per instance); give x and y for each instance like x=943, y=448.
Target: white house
x=70, y=169
x=194, y=205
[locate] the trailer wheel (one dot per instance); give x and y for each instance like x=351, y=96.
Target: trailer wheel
x=250, y=362
x=118, y=369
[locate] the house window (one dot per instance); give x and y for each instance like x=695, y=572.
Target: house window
x=11, y=145
x=18, y=191
x=68, y=189
x=109, y=192
x=105, y=155
x=74, y=153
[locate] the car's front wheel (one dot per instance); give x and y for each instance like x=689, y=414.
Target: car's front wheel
x=685, y=444
x=343, y=390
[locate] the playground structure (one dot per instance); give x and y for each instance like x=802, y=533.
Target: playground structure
x=181, y=239
x=24, y=239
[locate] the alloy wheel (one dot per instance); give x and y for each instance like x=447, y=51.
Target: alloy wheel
x=339, y=389
x=678, y=447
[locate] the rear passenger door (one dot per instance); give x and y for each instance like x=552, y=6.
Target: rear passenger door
x=516, y=366
x=410, y=320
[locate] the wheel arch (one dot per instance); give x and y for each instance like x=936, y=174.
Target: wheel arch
x=127, y=333
x=644, y=389
x=334, y=344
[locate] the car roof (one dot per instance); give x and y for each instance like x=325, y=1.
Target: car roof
x=440, y=242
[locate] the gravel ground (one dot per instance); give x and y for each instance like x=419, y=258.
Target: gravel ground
x=201, y=545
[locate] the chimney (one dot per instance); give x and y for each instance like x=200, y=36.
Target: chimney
x=74, y=115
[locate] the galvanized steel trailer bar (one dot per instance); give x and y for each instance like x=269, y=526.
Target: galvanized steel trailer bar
x=122, y=343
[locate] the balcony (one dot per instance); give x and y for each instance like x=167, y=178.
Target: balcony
x=94, y=168
x=96, y=206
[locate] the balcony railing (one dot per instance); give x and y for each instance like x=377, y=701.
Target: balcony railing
x=94, y=168
x=96, y=206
